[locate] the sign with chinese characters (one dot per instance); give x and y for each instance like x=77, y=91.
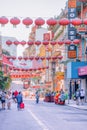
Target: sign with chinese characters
x=72, y=3
x=72, y=51
x=60, y=75
x=71, y=28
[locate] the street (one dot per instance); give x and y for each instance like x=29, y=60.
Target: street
x=43, y=116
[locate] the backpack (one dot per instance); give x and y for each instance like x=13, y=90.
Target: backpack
x=62, y=97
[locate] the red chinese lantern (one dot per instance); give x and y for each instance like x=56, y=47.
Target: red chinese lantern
x=53, y=43
x=30, y=42
x=60, y=42
x=30, y=69
x=37, y=43
x=9, y=42
x=39, y=68
x=51, y=22
x=16, y=42
x=54, y=58
x=20, y=58
x=26, y=70
x=43, y=68
x=23, y=43
x=9, y=57
x=45, y=43
x=85, y=21
x=13, y=57
x=3, y=20
x=25, y=58
x=31, y=58
x=60, y=57
x=10, y=68
x=42, y=58
x=14, y=69
x=18, y=69
x=76, y=41
x=34, y=69
x=68, y=42
x=64, y=21
x=47, y=67
x=37, y=58
x=48, y=58
x=27, y=21
x=76, y=21
x=39, y=21
x=22, y=69
x=14, y=21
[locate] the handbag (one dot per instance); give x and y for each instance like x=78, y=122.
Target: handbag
x=22, y=105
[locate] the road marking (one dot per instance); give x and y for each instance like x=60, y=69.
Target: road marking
x=38, y=121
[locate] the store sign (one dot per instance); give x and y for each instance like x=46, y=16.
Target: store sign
x=82, y=71
x=72, y=51
x=71, y=28
x=60, y=75
x=72, y=3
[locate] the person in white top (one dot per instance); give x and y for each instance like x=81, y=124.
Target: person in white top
x=9, y=98
x=82, y=96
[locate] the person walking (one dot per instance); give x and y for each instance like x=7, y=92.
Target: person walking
x=82, y=96
x=3, y=99
x=77, y=95
x=37, y=97
x=19, y=99
x=9, y=98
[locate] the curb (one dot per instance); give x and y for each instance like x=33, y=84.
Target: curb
x=76, y=107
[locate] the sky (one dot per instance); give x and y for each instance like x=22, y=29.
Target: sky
x=27, y=8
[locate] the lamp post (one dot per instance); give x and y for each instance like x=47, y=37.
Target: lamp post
x=86, y=53
x=53, y=73
x=86, y=77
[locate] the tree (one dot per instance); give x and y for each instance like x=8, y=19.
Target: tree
x=4, y=81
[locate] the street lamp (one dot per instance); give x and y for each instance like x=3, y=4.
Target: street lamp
x=86, y=53
x=53, y=73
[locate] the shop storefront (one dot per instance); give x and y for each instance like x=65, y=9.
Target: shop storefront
x=82, y=72
x=75, y=78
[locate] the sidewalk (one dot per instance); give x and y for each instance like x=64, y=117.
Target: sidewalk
x=72, y=103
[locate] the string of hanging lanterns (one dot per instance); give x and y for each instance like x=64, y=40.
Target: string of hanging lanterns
x=30, y=69
x=45, y=43
x=35, y=58
x=40, y=21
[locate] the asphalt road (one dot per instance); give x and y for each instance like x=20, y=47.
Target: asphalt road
x=43, y=116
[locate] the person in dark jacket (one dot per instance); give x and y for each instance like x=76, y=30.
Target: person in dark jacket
x=19, y=99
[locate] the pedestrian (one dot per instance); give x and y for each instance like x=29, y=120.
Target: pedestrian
x=19, y=99
x=77, y=95
x=9, y=98
x=3, y=99
x=82, y=96
x=37, y=97
x=13, y=97
x=0, y=98
x=15, y=93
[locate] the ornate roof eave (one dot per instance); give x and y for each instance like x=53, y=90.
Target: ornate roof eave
x=59, y=34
